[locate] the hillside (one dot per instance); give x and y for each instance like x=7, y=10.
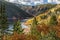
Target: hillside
x=13, y=10
x=35, y=10
x=24, y=11
x=46, y=23
x=46, y=13
x=41, y=22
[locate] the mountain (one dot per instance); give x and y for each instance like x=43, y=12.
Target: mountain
x=23, y=11
x=45, y=16
x=35, y=10
x=13, y=10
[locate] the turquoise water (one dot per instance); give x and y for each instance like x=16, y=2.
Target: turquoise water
x=22, y=24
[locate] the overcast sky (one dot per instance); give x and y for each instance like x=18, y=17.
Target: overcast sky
x=33, y=2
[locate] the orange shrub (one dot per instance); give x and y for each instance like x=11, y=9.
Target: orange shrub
x=17, y=36
x=31, y=37
x=57, y=29
x=43, y=28
x=58, y=34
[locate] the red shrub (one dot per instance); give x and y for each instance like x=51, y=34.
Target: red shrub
x=17, y=36
x=43, y=28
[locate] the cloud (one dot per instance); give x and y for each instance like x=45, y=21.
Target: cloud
x=26, y=2
x=9, y=0
x=58, y=1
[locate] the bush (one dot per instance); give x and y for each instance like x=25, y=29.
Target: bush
x=53, y=20
x=44, y=17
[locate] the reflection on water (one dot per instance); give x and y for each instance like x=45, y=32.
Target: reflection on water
x=22, y=24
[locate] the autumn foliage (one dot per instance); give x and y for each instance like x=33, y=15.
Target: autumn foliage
x=43, y=27
x=15, y=36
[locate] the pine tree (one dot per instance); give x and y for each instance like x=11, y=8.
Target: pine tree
x=17, y=27
x=34, y=31
x=50, y=36
x=53, y=20
x=33, y=25
x=3, y=19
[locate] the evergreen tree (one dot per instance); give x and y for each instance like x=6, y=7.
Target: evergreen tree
x=53, y=20
x=33, y=25
x=50, y=36
x=3, y=19
x=34, y=31
x=17, y=27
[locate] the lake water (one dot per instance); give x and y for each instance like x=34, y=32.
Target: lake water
x=22, y=24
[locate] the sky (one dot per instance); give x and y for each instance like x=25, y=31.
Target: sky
x=32, y=0
x=35, y=2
